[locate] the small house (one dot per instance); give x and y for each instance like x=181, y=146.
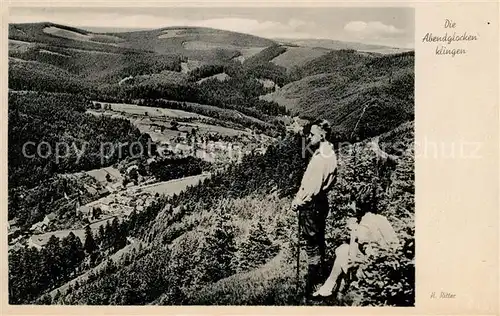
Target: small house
x=103, y=192
x=40, y=227
x=11, y=225
x=85, y=210
x=91, y=190
x=13, y=234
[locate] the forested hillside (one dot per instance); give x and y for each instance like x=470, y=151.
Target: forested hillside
x=231, y=240
x=38, y=118
x=55, y=58
x=51, y=135
x=362, y=95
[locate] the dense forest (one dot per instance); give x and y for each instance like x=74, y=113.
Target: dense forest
x=239, y=92
x=51, y=133
x=100, y=68
x=33, y=272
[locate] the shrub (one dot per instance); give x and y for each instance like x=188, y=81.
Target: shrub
x=389, y=278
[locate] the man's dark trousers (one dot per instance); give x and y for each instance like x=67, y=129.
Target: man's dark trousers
x=312, y=226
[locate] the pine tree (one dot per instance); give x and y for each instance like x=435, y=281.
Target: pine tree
x=255, y=250
x=90, y=245
x=70, y=289
x=77, y=252
x=56, y=298
x=132, y=223
x=52, y=257
x=100, y=235
x=221, y=247
x=107, y=240
x=115, y=234
x=66, y=261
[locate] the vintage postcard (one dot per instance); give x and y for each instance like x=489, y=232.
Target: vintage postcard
x=264, y=158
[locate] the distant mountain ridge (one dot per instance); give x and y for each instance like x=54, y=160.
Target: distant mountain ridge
x=367, y=88
x=336, y=45
x=97, y=29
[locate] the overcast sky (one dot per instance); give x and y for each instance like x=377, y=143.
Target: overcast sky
x=386, y=26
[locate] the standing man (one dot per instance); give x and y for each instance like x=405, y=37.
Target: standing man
x=311, y=201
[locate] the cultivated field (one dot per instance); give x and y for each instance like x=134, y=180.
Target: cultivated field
x=298, y=56
x=162, y=117
x=221, y=77
x=170, y=33
x=152, y=111
x=19, y=46
x=101, y=38
x=174, y=186
x=202, y=45
x=221, y=130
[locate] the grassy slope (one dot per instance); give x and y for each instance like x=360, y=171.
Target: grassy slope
x=336, y=45
x=273, y=283
x=298, y=56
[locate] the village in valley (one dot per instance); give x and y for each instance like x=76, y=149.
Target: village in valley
x=116, y=191
x=112, y=199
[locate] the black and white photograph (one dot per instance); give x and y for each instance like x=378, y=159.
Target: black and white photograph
x=238, y=156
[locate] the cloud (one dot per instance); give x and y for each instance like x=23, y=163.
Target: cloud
x=372, y=30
